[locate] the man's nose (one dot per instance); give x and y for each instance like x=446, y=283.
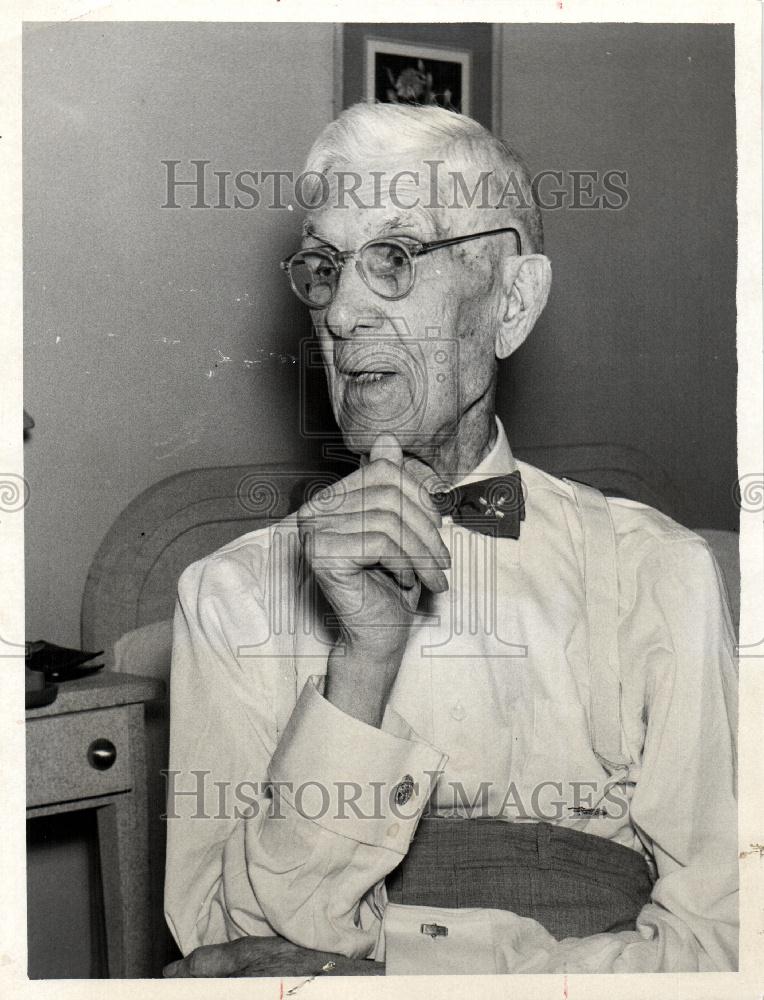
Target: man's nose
x=354, y=306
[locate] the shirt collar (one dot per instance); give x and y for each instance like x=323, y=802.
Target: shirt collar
x=498, y=462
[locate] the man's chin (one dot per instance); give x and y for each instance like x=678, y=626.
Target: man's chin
x=413, y=443
x=360, y=441
x=359, y=435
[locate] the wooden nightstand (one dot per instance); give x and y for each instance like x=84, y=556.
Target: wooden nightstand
x=87, y=751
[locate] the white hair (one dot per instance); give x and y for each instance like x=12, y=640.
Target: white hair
x=374, y=132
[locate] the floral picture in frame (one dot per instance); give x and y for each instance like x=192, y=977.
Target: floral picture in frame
x=401, y=73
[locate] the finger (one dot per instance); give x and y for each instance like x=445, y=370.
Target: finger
x=420, y=541
x=350, y=539
x=421, y=473
x=386, y=446
x=195, y=964
x=367, y=550
x=428, y=557
x=342, y=553
x=394, y=560
x=381, y=472
x=212, y=961
x=388, y=554
x=387, y=499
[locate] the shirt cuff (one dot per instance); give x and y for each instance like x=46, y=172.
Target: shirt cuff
x=350, y=778
x=422, y=940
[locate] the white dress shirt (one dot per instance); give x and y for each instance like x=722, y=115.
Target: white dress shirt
x=488, y=716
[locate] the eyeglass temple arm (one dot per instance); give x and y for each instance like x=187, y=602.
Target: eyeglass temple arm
x=453, y=240
x=424, y=248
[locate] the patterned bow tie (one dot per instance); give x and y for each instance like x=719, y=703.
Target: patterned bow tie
x=491, y=506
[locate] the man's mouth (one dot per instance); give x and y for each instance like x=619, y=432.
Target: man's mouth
x=365, y=377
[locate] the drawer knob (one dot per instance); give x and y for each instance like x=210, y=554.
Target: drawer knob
x=102, y=754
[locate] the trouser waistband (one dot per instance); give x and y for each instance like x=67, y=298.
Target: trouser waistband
x=574, y=883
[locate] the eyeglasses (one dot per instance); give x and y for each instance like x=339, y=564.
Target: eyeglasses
x=387, y=266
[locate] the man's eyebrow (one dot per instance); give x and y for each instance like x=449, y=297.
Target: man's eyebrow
x=390, y=225
x=393, y=224
x=419, y=221
x=309, y=232
x=397, y=222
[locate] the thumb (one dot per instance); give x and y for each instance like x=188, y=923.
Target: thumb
x=386, y=446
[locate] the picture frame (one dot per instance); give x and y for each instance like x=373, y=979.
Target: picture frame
x=465, y=52
x=406, y=73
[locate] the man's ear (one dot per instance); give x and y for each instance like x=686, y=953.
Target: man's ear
x=526, y=283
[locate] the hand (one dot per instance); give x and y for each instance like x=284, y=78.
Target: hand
x=265, y=956
x=596, y=953
x=371, y=554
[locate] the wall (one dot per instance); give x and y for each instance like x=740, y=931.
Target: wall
x=132, y=311
x=637, y=346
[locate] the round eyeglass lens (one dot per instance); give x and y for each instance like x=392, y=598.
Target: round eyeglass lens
x=388, y=268
x=314, y=277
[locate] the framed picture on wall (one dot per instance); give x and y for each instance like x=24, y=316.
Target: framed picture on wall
x=449, y=65
x=399, y=73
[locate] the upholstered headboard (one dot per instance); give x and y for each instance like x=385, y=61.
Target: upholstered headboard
x=616, y=470
x=133, y=578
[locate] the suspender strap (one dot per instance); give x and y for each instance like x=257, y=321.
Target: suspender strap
x=601, y=588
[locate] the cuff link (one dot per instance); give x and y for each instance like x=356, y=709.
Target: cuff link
x=434, y=930
x=404, y=790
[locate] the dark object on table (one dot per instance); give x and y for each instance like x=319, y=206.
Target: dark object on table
x=38, y=691
x=57, y=663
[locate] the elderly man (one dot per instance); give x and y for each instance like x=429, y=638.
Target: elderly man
x=499, y=735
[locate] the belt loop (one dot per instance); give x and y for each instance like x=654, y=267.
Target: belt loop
x=543, y=838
